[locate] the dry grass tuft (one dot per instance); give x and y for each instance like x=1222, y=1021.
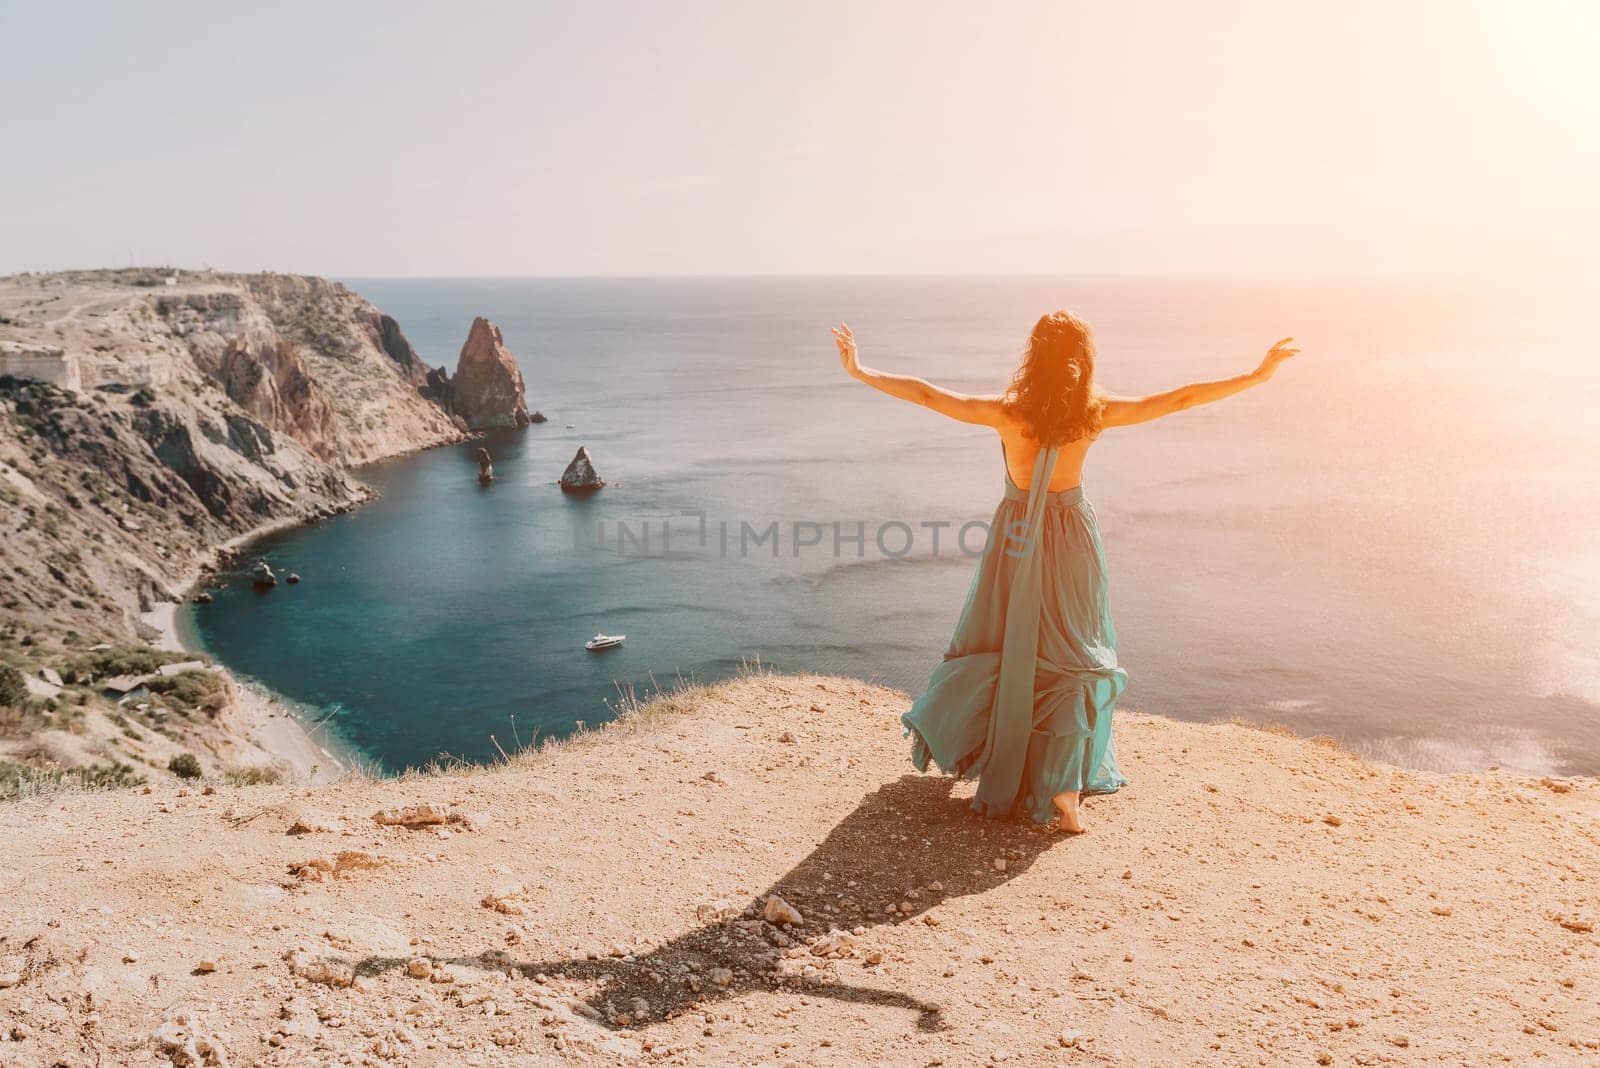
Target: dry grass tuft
x=253, y=775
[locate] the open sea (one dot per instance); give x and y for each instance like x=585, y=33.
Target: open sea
x=1395, y=543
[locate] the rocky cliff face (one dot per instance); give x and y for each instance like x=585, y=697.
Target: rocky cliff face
x=311, y=358
x=394, y=343
x=205, y=410
x=487, y=390
x=267, y=379
x=141, y=425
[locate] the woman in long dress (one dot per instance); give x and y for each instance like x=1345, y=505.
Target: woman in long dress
x=1023, y=698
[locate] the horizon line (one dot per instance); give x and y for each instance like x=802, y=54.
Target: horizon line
x=1121, y=275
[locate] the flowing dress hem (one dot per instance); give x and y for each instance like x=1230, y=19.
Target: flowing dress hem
x=967, y=769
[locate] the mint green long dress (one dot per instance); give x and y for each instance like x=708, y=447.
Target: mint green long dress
x=1022, y=701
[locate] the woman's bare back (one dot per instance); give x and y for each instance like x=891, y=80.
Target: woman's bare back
x=1022, y=451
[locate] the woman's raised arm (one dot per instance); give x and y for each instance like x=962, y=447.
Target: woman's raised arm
x=963, y=407
x=1125, y=411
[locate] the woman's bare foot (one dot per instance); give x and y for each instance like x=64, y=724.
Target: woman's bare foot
x=1067, y=805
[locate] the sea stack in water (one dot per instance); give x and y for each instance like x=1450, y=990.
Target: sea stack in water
x=487, y=389
x=580, y=475
x=485, y=467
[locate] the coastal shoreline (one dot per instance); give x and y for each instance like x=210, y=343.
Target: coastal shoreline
x=136, y=363
x=273, y=725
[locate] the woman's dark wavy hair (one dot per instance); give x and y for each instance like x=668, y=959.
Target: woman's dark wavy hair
x=1053, y=393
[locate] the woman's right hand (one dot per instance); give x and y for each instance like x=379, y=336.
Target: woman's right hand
x=1279, y=352
x=846, y=341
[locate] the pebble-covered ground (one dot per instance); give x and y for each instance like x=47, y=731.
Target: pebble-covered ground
x=750, y=875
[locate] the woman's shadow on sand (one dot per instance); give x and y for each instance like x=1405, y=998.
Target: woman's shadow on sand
x=908, y=843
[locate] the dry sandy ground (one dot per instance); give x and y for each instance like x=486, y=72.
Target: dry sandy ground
x=1250, y=899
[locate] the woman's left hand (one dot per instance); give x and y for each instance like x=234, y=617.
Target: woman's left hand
x=846, y=341
x=1283, y=350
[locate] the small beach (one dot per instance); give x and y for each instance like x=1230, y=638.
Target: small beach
x=272, y=725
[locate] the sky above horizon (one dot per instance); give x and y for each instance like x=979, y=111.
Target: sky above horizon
x=368, y=139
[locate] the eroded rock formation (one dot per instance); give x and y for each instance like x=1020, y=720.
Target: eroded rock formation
x=398, y=346
x=487, y=389
x=304, y=356
x=265, y=377
x=580, y=475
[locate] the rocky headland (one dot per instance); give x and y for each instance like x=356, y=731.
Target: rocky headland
x=150, y=418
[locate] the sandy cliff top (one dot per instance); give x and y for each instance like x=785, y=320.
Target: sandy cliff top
x=1250, y=899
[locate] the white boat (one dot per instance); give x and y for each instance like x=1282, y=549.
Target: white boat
x=604, y=641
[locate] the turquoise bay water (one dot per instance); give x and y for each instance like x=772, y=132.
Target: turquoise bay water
x=1396, y=542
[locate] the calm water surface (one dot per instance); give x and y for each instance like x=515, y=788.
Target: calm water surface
x=1396, y=542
